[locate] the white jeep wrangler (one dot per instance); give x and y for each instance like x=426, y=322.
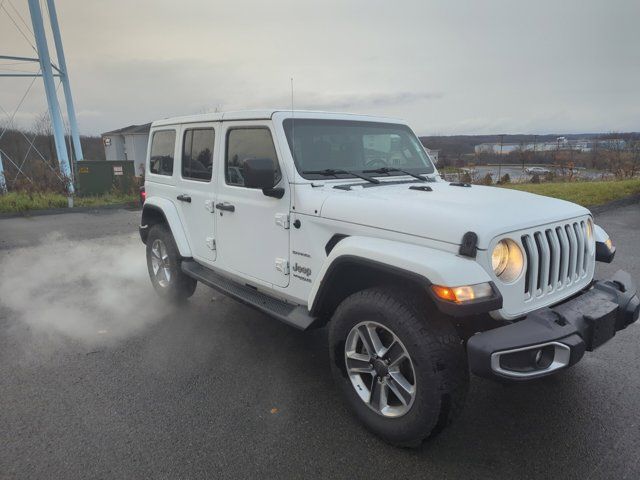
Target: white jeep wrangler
x=317, y=218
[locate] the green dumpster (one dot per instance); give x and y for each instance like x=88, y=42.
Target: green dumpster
x=96, y=177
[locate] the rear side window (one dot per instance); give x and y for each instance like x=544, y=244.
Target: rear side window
x=162, y=148
x=197, y=154
x=244, y=143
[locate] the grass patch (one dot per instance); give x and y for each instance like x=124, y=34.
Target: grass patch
x=15, y=202
x=583, y=193
x=107, y=199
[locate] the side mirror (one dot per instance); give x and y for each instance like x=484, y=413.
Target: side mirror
x=261, y=173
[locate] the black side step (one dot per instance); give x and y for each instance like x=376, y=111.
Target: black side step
x=294, y=315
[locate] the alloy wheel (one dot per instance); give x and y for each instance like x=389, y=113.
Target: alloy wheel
x=380, y=369
x=160, y=263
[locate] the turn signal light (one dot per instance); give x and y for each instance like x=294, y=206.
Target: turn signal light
x=444, y=293
x=465, y=293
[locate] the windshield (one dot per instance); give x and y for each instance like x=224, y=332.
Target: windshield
x=319, y=145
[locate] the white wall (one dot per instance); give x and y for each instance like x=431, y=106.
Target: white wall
x=114, y=151
x=128, y=147
x=136, y=150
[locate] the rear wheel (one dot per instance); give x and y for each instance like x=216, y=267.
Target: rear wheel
x=163, y=264
x=402, y=370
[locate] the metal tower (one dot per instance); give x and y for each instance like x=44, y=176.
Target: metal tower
x=48, y=72
x=3, y=184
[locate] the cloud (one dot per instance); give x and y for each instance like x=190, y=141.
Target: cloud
x=451, y=67
x=352, y=101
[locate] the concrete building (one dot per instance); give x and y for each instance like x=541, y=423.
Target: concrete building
x=434, y=154
x=496, y=148
x=128, y=143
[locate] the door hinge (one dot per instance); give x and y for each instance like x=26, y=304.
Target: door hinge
x=282, y=265
x=282, y=219
x=208, y=205
x=211, y=243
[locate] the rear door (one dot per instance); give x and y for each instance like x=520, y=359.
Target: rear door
x=195, y=191
x=160, y=177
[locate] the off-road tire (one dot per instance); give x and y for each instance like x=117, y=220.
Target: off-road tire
x=180, y=287
x=436, y=351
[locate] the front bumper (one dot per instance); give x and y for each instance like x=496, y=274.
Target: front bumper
x=554, y=338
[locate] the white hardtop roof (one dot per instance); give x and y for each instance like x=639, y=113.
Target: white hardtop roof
x=268, y=114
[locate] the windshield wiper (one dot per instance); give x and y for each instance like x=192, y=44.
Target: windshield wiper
x=388, y=170
x=335, y=172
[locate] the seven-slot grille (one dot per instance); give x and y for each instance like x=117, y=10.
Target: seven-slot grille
x=556, y=257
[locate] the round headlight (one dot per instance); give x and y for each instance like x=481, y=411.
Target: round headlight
x=590, y=241
x=500, y=257
x=507, y=260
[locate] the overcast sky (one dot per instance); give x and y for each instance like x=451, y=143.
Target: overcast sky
x=449, y=67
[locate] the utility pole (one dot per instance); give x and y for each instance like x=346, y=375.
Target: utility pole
x=64, y=77
x=3, y=184
x=50, y=91
x=500, y=160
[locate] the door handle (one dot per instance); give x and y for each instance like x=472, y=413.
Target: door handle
x=184, y=198
x=227, y=207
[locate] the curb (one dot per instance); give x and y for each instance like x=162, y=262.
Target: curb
x=58, y=211
x=622, y=202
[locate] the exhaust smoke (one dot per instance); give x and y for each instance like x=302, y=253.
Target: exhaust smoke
x=90, y=291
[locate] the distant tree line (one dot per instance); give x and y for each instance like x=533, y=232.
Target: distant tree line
x=29, y=156
x=621, y=159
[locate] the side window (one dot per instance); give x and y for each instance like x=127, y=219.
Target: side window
x=244, y=143
x=162, y=148
x=197, y=154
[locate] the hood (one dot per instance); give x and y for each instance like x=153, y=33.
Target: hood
x=447, y=212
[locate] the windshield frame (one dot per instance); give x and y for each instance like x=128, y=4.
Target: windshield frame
x=288, y=126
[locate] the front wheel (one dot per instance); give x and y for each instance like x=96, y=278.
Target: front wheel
x=163, y=264
x=403, y=371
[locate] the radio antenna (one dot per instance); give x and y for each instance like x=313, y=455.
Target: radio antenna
x=293, y=147
x=293, y=122
x=292, y=95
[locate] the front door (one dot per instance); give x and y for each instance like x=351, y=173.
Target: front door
x=252, y=228
x=196, y=189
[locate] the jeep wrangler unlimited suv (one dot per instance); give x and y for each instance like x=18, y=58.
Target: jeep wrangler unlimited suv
x=317, y=218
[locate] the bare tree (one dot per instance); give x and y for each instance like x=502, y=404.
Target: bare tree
x=43, y=132
x=633, y=159
x=615, y=154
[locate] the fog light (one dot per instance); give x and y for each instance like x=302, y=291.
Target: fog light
x=538, y=356
x=544, y=357
x=533, y=361
x=528, y=360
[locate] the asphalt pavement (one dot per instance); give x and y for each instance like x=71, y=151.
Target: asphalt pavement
x=98, y=380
